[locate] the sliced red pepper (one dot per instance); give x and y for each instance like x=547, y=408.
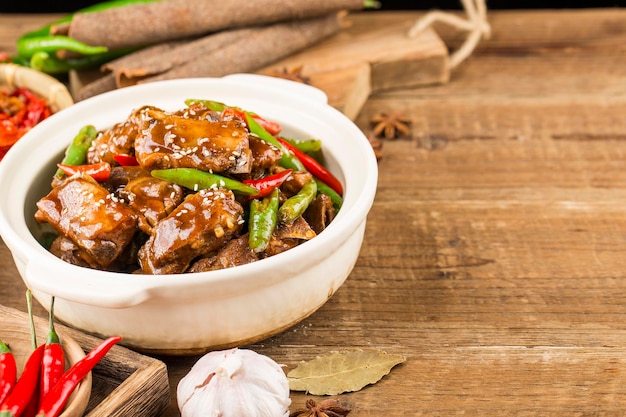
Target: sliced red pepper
x=99, y=172
x=267, y=184
x=272, y=127
x=315, y=168
x=126, y=160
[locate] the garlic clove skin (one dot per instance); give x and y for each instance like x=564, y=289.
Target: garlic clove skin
x=234, y=383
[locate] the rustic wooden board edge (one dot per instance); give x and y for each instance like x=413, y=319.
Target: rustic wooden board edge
x=143, y=388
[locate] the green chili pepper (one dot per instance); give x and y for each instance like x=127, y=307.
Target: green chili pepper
x=308, y=145
x=209, y=104
x=263, y=219
x=27, y=47
x=196, y=179
x=76, y=152
x=287, y=160
x=50, y=64
x=295, y=205
x=335, y=198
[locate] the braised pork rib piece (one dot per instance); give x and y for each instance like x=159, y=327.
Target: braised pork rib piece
x=94, y=219
x=204, y=222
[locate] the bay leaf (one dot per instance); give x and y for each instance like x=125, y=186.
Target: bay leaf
x=339, y=372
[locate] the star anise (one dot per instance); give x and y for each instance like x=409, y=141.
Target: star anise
x=390, y=125
x=293, y=74
x=327, y=408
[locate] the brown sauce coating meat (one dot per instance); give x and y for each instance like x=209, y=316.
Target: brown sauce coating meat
x=201, y=224
x=116, y=140
x=235, y=252
x=151, y=198
x=90, y=216
x=167, y=141
x=134, y=222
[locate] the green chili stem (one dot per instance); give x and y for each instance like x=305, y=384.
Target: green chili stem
x=196, y=179
x=295, y=205
x=263, y=219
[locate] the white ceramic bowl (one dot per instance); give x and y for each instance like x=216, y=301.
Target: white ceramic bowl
x=192, y=313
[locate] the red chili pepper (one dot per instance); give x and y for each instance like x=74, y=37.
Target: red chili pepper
x=53, y=361
x=272, y=127
x=32, y=110
x=18, y=399
x=267, y=184
x=99, y=172
x=126, y=160
x=8, y=371
x=315, y=167
x=56, y=399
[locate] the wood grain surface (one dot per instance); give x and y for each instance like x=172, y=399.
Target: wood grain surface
x=494, y=253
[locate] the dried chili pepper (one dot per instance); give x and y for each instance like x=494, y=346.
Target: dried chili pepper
x=21, y=110
x=56, y=399
x=267, y=184
x=100, y=171
x=314, y=167
x=18, y=399
x=126, y=160
x=8, y=371
x=196, y=179
x=263, y=219
x=53, y=361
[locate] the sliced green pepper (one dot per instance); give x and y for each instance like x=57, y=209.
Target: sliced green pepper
x=335, y=198
x=76, y=152
x=263, y=219
x=196, y=179
x=297, y=204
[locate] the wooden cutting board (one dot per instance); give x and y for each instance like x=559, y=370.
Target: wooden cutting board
x=362, y=59
x=124, y=383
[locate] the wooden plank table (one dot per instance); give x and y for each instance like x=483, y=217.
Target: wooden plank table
x=494, y=252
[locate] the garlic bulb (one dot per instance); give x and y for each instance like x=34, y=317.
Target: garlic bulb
x=234, y=383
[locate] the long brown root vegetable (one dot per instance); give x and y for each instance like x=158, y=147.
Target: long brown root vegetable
x=130, y=69
x=246, y=50
x=146, y=24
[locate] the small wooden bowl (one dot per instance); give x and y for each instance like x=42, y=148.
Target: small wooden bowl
x=16, y=334
x=44, y=85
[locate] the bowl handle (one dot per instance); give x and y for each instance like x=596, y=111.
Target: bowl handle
x=72, y=287
x=280, y=84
